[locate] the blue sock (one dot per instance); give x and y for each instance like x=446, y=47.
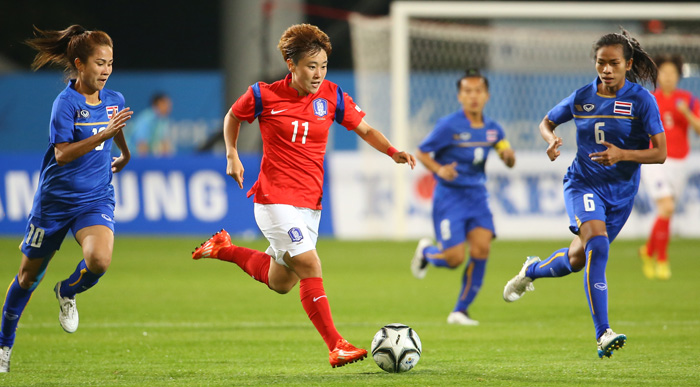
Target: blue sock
x=81, y=280
x=594, y=281
x=15, y=302
x=557, y=265
x=471, y=283
x=434, y=256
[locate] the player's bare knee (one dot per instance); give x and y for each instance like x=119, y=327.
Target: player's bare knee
x=281, y=288
x=479, y=252
x=454, y=259
x=577, y=260
x=98, y=263
x=667, y=208
x=26, y=279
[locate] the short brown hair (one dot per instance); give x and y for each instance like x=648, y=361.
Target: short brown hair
x=675, y=59
x=301, y=40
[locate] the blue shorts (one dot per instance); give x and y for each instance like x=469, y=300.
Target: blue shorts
x=584, y=204
x=457, y=211
x=44, y=236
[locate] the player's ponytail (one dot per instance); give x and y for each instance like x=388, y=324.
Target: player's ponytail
x=643, y=67
x=63, y=47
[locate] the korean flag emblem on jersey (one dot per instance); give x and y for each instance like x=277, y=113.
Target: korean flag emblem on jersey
x=112, y=110
x=295, y=234
x=320, y=107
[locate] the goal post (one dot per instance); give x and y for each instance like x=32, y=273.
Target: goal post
x=406, y=64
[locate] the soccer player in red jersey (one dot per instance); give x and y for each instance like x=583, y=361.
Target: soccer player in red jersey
x=679, y=110
x=294, y=114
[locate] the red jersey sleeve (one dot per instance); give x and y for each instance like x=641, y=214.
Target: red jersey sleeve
x=694, y=105
x=245, y=106
x=348, y=113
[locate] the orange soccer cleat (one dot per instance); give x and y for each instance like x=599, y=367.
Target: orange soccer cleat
x=345, y=353
x=210, y=248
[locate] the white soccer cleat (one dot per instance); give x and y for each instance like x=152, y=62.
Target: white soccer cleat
x=419, y=267
x=609, y=342
x=461, y=318
x=516, y=287
x=68, y=315
x=5, y=353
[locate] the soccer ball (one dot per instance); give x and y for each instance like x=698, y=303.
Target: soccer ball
x=396, y=348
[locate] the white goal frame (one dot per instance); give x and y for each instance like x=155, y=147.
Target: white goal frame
x=402, y=11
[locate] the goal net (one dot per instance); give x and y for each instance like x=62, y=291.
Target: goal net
x=534, y=55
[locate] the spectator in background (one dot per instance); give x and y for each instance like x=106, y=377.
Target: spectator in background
x=664, y=182
x=149, y=133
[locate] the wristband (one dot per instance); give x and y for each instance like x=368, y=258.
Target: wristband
x=391, y=151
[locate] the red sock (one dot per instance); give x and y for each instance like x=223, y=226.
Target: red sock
x=315, y=303
x=660, y=234
x=254, y=262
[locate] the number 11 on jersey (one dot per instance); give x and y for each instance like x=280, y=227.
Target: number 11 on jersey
x=296, y=128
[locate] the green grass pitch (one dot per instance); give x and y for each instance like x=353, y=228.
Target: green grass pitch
x=159, y=318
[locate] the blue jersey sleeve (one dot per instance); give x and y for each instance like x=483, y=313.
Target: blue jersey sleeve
x=121, y=99
x=437, y=139
x=62, y=120
x=651, y=118
x=562, y=112
x=501, y=133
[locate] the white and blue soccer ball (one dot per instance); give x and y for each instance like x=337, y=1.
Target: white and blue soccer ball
x=396, y=348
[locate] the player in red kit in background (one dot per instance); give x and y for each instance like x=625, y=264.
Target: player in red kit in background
x=679, y=110
x=294, y=114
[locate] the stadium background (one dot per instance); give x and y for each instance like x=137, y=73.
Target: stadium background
x=203, y=58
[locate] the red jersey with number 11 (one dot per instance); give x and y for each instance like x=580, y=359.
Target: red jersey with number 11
x=294, y=133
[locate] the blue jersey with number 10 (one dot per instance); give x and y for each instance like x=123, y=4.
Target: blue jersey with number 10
x=87, y=180
x=627, y=121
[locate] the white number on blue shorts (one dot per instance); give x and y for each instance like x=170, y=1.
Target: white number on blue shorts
x=35, y=236
x=445, y=232
x=588, y=203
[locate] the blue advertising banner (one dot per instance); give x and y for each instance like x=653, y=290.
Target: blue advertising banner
x=155, y=196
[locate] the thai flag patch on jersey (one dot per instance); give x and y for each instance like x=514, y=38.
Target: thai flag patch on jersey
x=320, y=107
x=491, y=135
x=112, y=110
x=623, y=108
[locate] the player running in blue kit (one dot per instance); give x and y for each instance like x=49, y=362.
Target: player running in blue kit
x=75, y=186
x=461, y=143
x=615, y=119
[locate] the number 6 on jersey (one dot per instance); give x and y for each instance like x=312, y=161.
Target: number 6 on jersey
x=599, y=133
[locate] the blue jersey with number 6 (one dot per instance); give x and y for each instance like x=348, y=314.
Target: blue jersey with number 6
x=627, y=121
x=87, y=180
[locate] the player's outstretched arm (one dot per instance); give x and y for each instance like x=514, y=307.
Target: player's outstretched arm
x=66, y=152
x=547, y=132
x=379, y=142
x=234, y=167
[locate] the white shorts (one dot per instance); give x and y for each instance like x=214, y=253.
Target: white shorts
x=664, y=180
x=289, y=229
